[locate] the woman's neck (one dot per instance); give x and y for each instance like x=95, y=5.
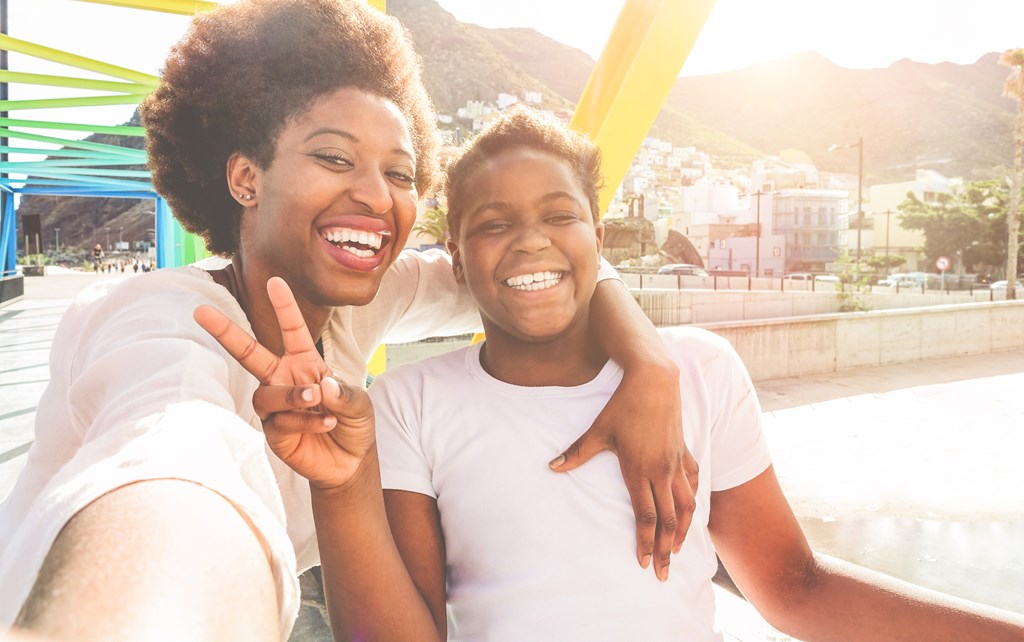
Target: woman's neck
x=250, y=289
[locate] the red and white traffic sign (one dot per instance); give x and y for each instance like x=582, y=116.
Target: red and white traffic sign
x=942, y=263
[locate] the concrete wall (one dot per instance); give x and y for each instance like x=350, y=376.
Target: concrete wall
x=678, y=307
x=797, y=346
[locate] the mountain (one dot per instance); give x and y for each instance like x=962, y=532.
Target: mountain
x=949, y=117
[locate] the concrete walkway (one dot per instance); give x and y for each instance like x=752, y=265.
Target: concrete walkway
x=912, y=469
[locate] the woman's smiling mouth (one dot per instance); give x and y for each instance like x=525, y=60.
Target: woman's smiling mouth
x=361, y=243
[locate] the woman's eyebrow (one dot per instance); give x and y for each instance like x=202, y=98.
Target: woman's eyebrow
x=331, y=130
x=324, y=131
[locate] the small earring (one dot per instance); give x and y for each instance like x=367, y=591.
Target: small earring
x=247, y=197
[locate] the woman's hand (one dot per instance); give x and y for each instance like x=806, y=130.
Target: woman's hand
x=320, y=427
x=642, y=425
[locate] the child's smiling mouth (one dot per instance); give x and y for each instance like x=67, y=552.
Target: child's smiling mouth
x=534, y=281
x=361, y=243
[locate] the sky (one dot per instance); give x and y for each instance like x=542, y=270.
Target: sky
x=739, y=33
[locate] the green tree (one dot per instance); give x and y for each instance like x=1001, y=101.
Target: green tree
x=1014, y=88
x=433, y=224
x=886, y=263
x=951, y=227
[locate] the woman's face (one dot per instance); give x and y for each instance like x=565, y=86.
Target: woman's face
x=337, y=203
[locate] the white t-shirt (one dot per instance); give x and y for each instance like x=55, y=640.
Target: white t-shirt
x=139, y=391
x=538, y=555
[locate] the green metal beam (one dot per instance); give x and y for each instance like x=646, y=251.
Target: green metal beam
x=116, y=130
x=77, y=144
x=78, y=101
x=74, y=83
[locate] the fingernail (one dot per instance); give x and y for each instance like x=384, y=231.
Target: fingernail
x=645, y=562
x=334, y=386
x=663, y=573
x=307, y=394
x=557, y=461
x=329, y=420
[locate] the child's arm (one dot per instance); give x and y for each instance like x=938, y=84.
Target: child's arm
x=814, y=597
x=642, y=425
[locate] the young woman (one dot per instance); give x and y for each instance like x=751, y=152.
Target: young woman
x=295, y=136
x=456, y=435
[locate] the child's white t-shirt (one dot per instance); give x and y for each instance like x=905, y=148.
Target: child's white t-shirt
x=538, y=555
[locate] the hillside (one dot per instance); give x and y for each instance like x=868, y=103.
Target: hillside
x=949, y=117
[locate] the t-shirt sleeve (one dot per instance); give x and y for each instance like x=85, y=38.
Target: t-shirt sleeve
x=606, y=271
x=739, y=451
x=420, y=298
x=397, y=401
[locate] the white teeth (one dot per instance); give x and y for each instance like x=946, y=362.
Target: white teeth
x=535, y=281
x=338, y=235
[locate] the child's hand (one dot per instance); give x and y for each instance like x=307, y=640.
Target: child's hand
x=325, y=447
x=642, y=425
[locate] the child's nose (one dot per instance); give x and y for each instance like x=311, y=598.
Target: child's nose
x=531, y=238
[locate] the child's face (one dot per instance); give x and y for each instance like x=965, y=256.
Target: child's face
x=527, y=245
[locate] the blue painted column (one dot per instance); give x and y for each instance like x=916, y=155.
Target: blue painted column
x=8, y=237
x=164, y=234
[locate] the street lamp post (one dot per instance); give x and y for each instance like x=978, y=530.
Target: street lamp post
x=56, y=236
x=108, y=238
x=757, y=249
x=860, y=190
x=119, y=231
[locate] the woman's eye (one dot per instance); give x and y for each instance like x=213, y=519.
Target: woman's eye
x=403, y=177
x=332, y=159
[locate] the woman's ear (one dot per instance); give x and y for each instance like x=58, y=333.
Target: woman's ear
x=599, y=233
x=453, y=249
x=242, y=178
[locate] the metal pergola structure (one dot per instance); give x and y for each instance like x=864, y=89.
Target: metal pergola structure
x=630, y=82
x=68, y=167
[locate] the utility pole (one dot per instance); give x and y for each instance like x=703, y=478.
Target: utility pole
x=888, y=215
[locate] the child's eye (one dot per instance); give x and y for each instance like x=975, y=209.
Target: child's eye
x=562, y=217
x=493, y=226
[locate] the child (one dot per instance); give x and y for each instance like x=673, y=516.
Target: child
x=459, y=544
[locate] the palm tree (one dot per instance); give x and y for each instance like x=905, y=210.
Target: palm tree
x=433, y=224
x=1014, y=88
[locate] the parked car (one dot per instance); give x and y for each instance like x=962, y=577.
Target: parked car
x=1001, y=285
x=685, y=269
x=827, y=278
x=798, y=276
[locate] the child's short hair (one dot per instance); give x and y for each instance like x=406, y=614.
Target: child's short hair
x=523, y=127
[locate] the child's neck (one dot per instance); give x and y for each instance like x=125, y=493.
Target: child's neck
x=571, y=359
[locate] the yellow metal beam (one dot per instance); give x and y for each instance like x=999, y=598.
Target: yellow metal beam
x=628, y=86
x=180, y=7
x=72, y=60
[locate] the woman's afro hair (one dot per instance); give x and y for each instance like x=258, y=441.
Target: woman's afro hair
x=243, y=70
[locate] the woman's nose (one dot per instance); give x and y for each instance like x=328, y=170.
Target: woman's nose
x=371, y=189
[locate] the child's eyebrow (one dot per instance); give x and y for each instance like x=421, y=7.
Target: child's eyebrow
x=554, y=196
